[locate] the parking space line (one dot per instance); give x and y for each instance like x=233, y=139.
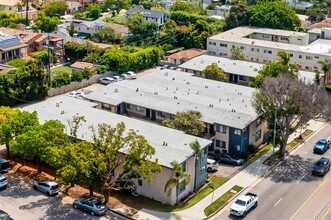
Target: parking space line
x=278, y=202
x=320, y=185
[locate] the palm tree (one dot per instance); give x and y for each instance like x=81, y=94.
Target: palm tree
x=284, y=57
x=19, y=6
x=195, y=146
x=178, y=175
x=326, y=67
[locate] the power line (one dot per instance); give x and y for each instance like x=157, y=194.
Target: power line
x=13, y=97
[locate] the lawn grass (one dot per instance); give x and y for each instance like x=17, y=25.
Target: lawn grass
x=259, y=153
x=221, y=201
x=61, y=69
x=216, y=182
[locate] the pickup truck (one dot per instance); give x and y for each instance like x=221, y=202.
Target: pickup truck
x=243, y=204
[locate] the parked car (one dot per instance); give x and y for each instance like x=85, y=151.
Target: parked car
x=3, y=182
x=92, y=205
x=225, y=158
x=165, y=67
x=117, y=78
x=4, y=165
x=47, y=186
x=172, y=68
x=106, y=80
x=132, y=74
x=76, y=94
x=321, y=146
x=321, y=167
x=4, y=215
x=125, y=76
x=243, y=204
x=211, y=165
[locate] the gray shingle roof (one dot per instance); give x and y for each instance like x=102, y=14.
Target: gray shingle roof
x=146, y=13
x=177, y=142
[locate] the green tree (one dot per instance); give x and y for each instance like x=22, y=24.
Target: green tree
x=72, y=30
x=195, y=146
x=190, y=7
x=214, y=72
x=237, y=53
x=275, y=14
x=7, y=115
x=283, y=57
x=188, y=121
x=94, y=11
x=107, y=141
x=295, y=102
x=45, y=23
x=55, y=8
x=326, y=67
x=116, y=5
x=178, y=177
x=18, y=63
x=238, y=16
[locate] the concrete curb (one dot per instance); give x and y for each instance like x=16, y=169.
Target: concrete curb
x=225, y=204
x=121, y=214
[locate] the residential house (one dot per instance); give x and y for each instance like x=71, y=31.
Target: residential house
x=262, y=45
x=223, y=11
x=169, y=144
x=11, y=47
x=6, y=68
x=80, y=66
x=118, y=28
x=323, y=24
x=231, y=121
x=36, y=41
x=73, y=6
x=238, y=71
x=159, y=17
x=299, y=4
x=185, y=55
x=88, y=27
x=14, y=6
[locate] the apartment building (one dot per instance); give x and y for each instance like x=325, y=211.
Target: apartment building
x=238, y=71
x=262, y=44
x=169, y=144
x=231, y=121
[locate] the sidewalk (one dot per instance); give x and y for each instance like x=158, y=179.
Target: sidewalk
x=244, y=178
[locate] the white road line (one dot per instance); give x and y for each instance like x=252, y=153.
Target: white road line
x=278, y=202
x=301, y=178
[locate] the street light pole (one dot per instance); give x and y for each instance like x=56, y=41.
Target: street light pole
x=212, y=198
x=274, y=141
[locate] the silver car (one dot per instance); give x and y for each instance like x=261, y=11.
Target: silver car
x=3, y=182
x=92, y=205
x=47, y=186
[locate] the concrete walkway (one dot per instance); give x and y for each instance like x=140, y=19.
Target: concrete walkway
x=244, y=178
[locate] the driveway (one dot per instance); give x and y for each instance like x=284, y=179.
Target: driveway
x=22, y=202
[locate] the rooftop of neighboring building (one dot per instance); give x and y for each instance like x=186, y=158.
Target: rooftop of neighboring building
x=118, y=28
x=8, y=42
x=325, y=23
x=146, y=13
x=238, y=35
x=187, y=54
x=9, y=2
x=238, y=67
x=178, y=143
x=82, y=65
x=174, y=91
x=6, y=68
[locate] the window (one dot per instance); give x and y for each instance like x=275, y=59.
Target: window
x=161, y=114
x=269, y=52
x=242, y=78
x=317, y=57
x=223, y=45
x=252, y=49
x=212, y=43
x=184, y=166
x=265, y=36
x=139, y=109
x=265, y=51
x=283, y=38
x=140, y=182
x=223, y=54
x=258, y=135
x=221, y=129
x=257, y=50
x=181, y=186
x=128, y=106
x=309, y=58
x=237, y=131
x=221, y=144
x=291, y=54
x=242, y=48
x=300, y=56
x=258, y=122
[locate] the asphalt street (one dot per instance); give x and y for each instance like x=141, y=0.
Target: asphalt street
x=290, y=191
x=22, y=202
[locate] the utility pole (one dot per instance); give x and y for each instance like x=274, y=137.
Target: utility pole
x=27, y=13
x=275, y=130
x=49, y=64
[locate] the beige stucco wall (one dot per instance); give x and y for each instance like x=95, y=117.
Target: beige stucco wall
x=252, y=132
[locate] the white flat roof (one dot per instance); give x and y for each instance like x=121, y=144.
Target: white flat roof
x=237, y=67
x=173, y=91
x=178, y=143
x=237, y=35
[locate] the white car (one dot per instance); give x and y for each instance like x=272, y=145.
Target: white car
x=132, y=74
x=76, y=94
x=106, y=80
x=3, y=182
x=47, y=186
x=125, y=76
x=117, y=78
x=211, y=165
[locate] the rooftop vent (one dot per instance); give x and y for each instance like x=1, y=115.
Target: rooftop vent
x=57, y=104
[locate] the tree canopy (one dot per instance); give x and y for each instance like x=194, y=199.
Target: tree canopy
x=45, y=23
x=274, y=14
x=93, y=11
x=55, y=8
x=295, y=102
x=188, y=121
x=214, y=72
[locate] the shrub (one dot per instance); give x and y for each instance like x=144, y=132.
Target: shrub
x=86, y=74
x=76, y=76
x=60, y=80
x=17, y=63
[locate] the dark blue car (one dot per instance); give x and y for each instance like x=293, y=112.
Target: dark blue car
x=321, y=146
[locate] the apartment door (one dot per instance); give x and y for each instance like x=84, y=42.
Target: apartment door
x=148, y=113
x=153, y=115
x=235, y=79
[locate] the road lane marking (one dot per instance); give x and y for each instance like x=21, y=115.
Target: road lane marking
x=278, y=202
x=327, y=212
x=301, y=178
x=321, y=184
